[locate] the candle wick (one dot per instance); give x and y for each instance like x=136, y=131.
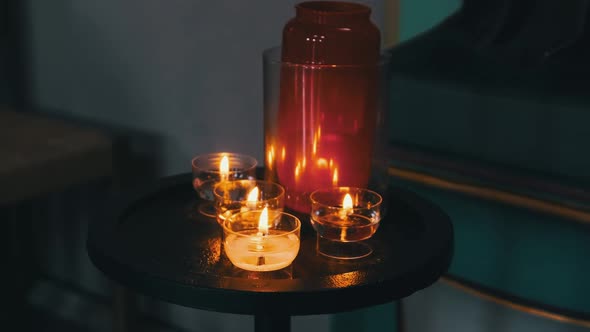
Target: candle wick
x=260, y=260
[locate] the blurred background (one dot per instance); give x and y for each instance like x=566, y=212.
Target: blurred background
x=490, y=109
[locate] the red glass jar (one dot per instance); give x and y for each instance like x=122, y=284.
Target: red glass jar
x=327, y=107
x=331, y=33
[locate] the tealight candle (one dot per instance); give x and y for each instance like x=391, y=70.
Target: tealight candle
x=244, y=195
x=343, y=217
x=261, y=240
x=210, y=169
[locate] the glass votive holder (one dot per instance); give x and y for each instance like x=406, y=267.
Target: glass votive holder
x=236, y=196
x=343, y=218
x=261, y=240
x=211, y=168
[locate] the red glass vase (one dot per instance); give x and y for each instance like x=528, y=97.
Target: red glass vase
x=331, y=33
x=327, y=103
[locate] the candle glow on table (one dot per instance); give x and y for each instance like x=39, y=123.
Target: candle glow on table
x=262, y=240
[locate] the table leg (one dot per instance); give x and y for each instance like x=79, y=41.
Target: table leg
x=124, y=309
x=272, y=323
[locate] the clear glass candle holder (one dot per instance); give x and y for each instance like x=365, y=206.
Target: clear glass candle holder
x=261, y=240
x=343, y=218
x=212, y=168
x=236, y=196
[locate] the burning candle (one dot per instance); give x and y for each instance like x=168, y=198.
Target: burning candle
x=262, y=240
x=210, y=169
x=232, y=197
x=343, y=217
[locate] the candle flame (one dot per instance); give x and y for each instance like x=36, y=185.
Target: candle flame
x=252, y=198
x=347, y=203
x=335, y=178
x=224, y=167
x=346, y=210
x=263, y=222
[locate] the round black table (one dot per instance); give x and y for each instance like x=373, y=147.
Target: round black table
x=158, y=244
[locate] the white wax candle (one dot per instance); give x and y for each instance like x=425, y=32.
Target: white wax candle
x=250, y=251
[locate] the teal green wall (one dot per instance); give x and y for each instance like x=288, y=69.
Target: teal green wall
x=417, y=16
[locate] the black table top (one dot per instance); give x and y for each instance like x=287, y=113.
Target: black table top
x=158, y=244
